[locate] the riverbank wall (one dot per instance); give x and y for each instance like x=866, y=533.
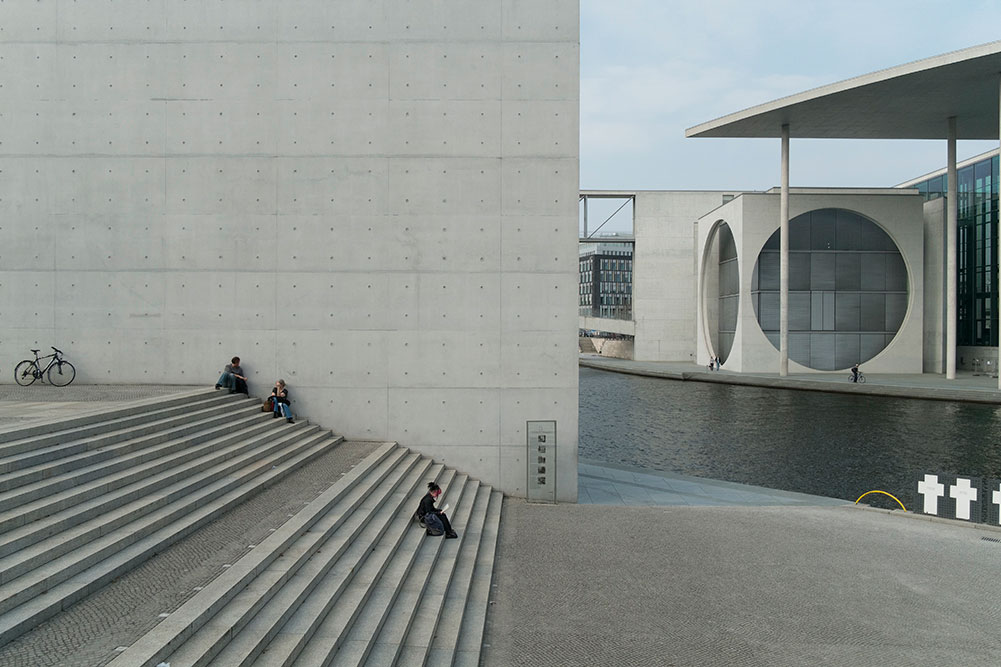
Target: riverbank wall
x=971, y=388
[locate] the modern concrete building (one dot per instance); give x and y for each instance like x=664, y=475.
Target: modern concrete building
x=375, y=201
x=953, y=96
x=976, y=264
x=856, y=281
x=816, y=279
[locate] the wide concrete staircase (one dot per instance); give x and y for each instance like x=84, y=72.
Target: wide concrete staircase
x=349, y=580
x=83, y=500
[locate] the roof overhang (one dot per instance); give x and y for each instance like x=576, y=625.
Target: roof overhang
x=911, y=101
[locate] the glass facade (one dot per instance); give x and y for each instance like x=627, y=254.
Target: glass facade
x=847, y=289
x=605, y=287
x=977, y=296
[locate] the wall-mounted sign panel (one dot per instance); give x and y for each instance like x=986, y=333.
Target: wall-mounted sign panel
x=541, y=436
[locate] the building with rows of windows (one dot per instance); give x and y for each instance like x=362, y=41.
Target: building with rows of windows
x=976, y=267
x=902, y=279
x=606, y=281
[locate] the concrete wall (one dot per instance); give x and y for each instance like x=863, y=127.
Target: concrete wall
x=935, y=260
x=754, y=217
x=664, y=264
x=376, y=200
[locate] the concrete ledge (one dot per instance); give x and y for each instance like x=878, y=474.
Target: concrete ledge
x=927, y=387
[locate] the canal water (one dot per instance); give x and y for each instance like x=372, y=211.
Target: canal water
x=832, y=445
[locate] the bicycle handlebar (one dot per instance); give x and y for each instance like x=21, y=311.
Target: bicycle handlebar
x=58, y=351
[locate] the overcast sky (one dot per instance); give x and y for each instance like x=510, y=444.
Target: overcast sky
x=652, y=68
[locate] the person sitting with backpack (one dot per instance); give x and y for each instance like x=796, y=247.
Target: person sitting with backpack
x=280, y=402
x=434, y=520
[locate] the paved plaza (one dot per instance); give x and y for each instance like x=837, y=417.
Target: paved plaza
x=611, y=585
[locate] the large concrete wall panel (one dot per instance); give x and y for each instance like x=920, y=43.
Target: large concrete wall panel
x=375, y=200
x=664, y=304
x=754, y=218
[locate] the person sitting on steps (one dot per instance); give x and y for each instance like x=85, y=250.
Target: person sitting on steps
x=427, y=507
x=233, y=378
x=279, y=396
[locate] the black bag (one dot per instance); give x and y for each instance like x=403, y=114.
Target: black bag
x=434, y=525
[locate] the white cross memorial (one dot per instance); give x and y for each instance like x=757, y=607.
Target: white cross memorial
x=932, y=491
x=965, y=496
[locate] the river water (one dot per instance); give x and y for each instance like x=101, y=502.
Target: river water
x=832, y=445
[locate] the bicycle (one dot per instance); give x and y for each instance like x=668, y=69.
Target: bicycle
x=861, y=378
x=59, y=371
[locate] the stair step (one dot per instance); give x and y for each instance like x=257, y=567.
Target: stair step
x=349, y=580
x=102, y=524
x=58, y=433
x=33, y=466
x=344, y=555
x=346, y=495
x=421, y=572
x=408, y=638
x=465, y=650
x=102, y=414
x=62, y=509
x=173, y=523
x=322, y=622
x=110, y=460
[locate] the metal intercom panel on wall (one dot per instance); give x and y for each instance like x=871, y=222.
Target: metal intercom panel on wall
x=541, y=436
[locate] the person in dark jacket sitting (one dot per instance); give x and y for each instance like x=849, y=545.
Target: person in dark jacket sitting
x=233, y=378
x=427, y=507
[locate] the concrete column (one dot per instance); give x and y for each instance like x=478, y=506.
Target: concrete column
x=997, y=263
x=784, y=258
x=951, y=223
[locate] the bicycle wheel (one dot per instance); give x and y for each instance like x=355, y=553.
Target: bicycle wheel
x=861, y=379
x=24, y=373
x=61, y=374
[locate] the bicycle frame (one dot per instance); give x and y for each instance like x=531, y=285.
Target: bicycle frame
x=59, y=371
x=53, y=358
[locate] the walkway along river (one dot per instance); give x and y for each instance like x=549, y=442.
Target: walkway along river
x=825, y=444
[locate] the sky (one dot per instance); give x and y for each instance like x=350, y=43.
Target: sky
x=650, y=69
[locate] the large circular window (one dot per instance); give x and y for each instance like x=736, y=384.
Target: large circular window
x=847, y=289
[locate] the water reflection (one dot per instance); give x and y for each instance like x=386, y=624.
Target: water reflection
x=826, y=444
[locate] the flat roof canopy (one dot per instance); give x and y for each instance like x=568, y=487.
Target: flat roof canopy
x=911, y=101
